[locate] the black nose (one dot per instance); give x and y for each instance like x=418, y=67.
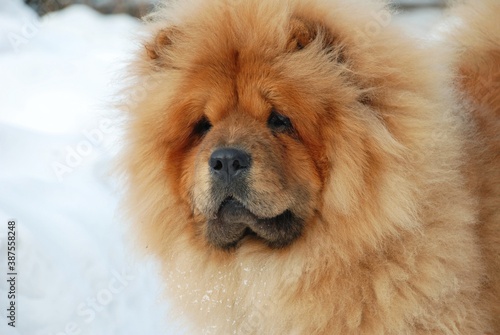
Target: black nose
x=227, y=163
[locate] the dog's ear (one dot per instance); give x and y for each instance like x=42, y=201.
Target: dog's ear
x=161, y=42
x=303, y=31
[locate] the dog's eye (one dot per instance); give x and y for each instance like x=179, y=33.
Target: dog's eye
x=278, y=122
x=202, y=126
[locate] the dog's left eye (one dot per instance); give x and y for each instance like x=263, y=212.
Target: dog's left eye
x=202, y=126
x=278, y=122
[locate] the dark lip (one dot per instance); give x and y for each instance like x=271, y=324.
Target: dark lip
x=231, y=204
x=230, y=200
x=234, y=223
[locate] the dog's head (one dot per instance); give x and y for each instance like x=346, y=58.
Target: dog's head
x=262, y=118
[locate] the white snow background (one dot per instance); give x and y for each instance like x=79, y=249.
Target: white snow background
x=74, y=273
x=57, y=142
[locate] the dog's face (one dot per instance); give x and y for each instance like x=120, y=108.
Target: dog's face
x=250, y=158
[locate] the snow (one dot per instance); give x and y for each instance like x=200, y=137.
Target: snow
x=75, y=275
x=75, y=271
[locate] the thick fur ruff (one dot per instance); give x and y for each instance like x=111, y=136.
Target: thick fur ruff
x=391, y=167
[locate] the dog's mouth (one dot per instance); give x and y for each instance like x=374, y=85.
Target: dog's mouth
x=234, y=223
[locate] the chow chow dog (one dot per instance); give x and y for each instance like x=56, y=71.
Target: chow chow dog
x=303, y=167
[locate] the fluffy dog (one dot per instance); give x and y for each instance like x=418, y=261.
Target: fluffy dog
x=302, y=167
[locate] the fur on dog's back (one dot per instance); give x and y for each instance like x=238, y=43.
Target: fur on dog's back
x=476, y=37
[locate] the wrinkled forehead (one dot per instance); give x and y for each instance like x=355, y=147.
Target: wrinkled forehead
x=240, y=67
x=233, y=83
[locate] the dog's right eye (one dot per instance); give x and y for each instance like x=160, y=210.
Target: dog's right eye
x=279, y=123
x=202, y=126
